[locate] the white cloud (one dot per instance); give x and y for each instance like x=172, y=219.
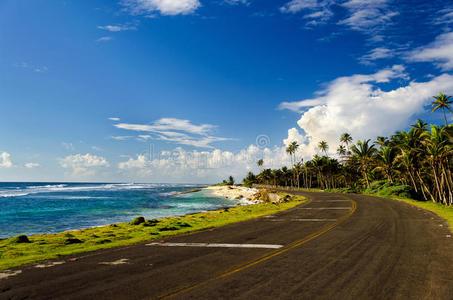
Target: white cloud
x=104, y=39
x=31, y=165
x=121, y=137
x=164, y=7
x=114, y=119
x=117, y=28
x=375, y=54
x=318, y=11
x=176, y=131
x=446, y=16
x=202, y=166
x=357, y=105
x=368, y=16
x=236, y=2
x=440, y=52
x=83, y=164
x=362, y=15
x=5, y=161
x=140, y=166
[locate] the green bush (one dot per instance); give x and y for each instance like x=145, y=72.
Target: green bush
x=388, y=189
x=72, y=241
x=137, y=221
x=21, y=239
x=150, y=223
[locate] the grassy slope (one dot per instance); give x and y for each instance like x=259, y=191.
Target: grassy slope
x=50, y=246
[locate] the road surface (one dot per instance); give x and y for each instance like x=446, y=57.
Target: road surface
x=334, y=247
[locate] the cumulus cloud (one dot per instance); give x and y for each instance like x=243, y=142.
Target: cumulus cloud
x=31, y=165
x=83, y=164
x=205, y=166
x=164, y=7
x=355, y=104
x=117, y=28
x=5, y=160
x=177, y=131
x=440, y=52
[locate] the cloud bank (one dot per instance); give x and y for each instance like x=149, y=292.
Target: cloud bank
x=355, y=104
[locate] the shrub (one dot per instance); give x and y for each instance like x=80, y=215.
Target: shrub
x=21, y=239
x=386, y=189
x=168, y=228
x=72, y=241
x=137, y=221
x=150, y=223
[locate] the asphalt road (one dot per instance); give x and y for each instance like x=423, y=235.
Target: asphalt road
x=334, y=247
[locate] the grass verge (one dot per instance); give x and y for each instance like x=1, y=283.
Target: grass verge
x=18, y=251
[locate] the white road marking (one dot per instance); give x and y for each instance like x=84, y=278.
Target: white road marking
x=50, y=264
x=304, y=220
x=323, y=208
x=8, y=273
x=121, y=261
x=331, y=201
x=214, y=245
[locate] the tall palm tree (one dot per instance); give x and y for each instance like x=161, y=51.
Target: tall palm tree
x=346, y=138
x=323, y=146
x=443, y=102
x=363, y=153
x=291, y=150
x=386, y=159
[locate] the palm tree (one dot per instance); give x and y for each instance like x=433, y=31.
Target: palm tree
x=442, y=101
x=291, y=150
x=363, y=153
x=323, y=146
x=381, y=141
x=260, y=163
x=386, y=162
x=346, y=138
x=420, y=126
x=341, y=150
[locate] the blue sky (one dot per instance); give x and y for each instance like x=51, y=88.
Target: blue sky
x=194, y=90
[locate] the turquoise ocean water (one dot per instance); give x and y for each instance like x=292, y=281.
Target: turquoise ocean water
x=34, y=208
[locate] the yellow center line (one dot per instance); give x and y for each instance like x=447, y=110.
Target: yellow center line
x=267, y=256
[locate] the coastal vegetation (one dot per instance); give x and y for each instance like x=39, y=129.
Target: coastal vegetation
x=417, y=163
x=22, y=249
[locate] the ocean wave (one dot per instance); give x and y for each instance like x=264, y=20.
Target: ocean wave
x=61, y=188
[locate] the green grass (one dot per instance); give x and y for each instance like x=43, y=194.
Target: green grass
x=49, y=246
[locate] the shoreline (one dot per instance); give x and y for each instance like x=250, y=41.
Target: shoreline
x=19, y=251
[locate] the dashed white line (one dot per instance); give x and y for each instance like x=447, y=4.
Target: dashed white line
x=323, y=208
x=303, y=220
x=215, y=245
x=48, y=265
x=9, y=273
x=121, y=261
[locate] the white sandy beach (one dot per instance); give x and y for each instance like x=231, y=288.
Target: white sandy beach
x=243, y=194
